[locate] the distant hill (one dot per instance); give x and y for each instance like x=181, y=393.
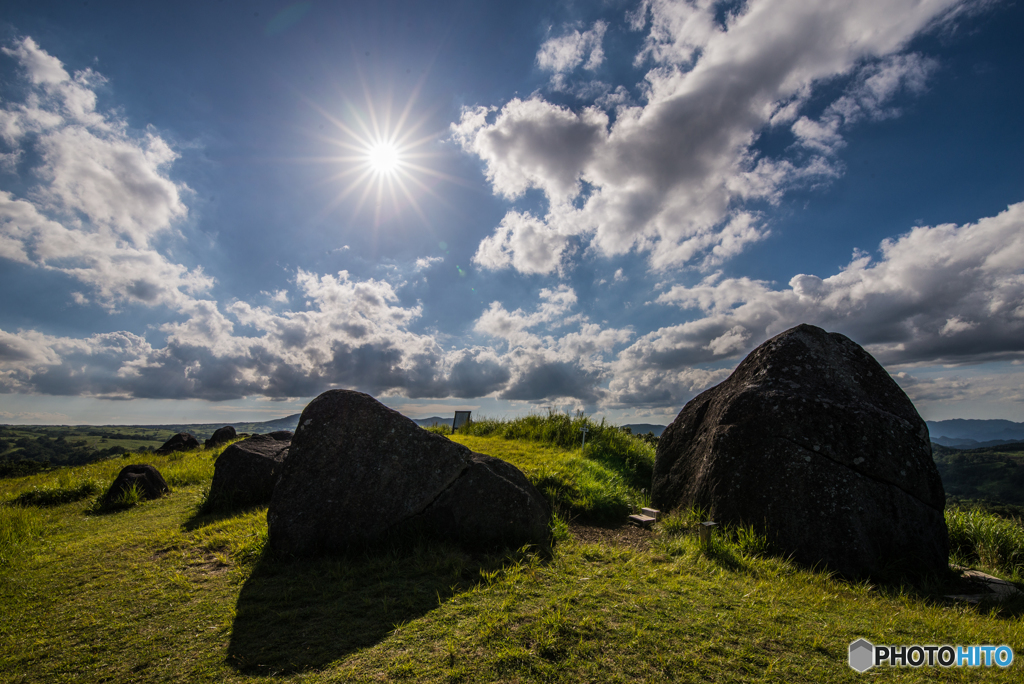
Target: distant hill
x=286, y=423
x=961, y=433
x=972, y=443
x=644, y=428
x=204, y=430
x=433, y=420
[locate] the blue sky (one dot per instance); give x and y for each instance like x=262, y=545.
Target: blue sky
x=213, y=211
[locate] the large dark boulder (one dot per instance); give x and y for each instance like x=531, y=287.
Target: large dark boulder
x=182, y=441
x=358, y=473
x=811, y=441
x=224, y=434
x=147, y=480
x=245, y=473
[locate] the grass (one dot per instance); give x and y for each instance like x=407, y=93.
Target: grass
x=576, y=486
x=628, y=455
x=64, y=488
x=600, y=482
x=161, y=592
x=982, y=539
x=18, y=525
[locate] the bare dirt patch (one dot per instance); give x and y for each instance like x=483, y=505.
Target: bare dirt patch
x=624, y=534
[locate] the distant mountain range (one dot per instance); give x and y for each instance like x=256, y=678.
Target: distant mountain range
x=961, y=433
x=433, y=420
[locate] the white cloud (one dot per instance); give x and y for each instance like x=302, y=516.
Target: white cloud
x=426, y=262
x=868, y=97
x=279, y=296
x=114, y=270
x=966, y=390
x=533, y=144
x=671, y=177
x=660, y=388
x=104, y=193
x=942, y=294
x=542, y=366
x=524, y=242
x=564, y=54
x=354, y=334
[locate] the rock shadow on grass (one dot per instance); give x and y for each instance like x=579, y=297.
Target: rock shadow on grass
x=203, y=515
x=299, y=614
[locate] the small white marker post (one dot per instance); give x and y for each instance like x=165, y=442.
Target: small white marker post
x=705, y=532
x=584, y=430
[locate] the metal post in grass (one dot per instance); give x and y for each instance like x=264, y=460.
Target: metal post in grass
x=584, y=430
x=705, y=532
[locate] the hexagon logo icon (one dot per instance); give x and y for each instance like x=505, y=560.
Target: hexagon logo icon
x=862, y=655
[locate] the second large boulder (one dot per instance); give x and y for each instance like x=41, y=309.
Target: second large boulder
x=246, y=472
x=811, y=441
x=359, y=472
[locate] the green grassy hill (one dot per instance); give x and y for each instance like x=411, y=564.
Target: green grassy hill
x=159, y=592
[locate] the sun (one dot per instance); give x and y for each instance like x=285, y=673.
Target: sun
x=384, y=158
x=381, y=159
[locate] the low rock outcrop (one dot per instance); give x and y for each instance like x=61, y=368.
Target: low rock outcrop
x=359, y=472
x=224, y=434
x=146, y=479
x=811, y=441
x=282, y=435
x=246, y=472
x=182, y=441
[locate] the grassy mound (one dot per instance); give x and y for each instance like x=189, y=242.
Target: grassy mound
x=623, y=453
x=577, y=487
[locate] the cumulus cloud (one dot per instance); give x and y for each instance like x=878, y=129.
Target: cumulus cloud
x=943, y=294
x=103, y=196
x=524, y=242
x=672, y=177
x=570, y=365
x=354, y=334
x=657, y=388
x=535, y=144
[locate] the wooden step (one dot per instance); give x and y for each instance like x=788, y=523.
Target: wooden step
x=642, y=520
